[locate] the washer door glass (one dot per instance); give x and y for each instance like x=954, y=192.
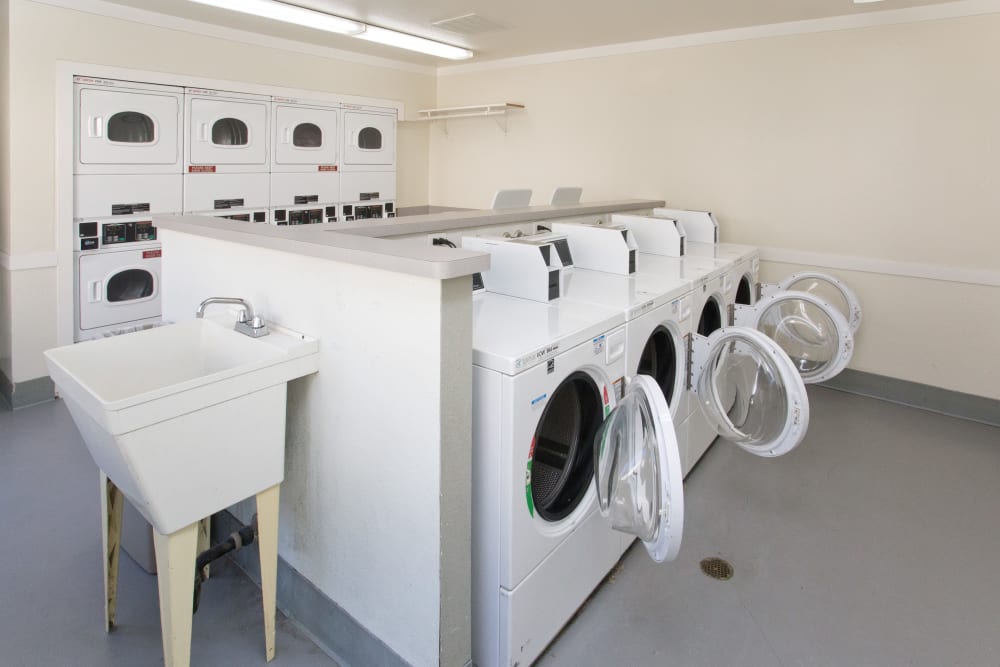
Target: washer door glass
x=562, y=462
x=831, y=290
x=637, y=467
x=750, y=391
x=811, y=331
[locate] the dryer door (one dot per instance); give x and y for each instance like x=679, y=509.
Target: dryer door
x=830, y=289
x=228, y=132
x=370, y=138
x=811, y=331
x=637, y=467
x=749, y=390
x=305, y=135
x=118, y=127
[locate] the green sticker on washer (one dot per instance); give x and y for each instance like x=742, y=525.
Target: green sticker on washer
x=527, y=490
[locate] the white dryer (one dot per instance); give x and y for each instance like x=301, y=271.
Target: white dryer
x=226, y=155
x=368, y=165
x=305, y=170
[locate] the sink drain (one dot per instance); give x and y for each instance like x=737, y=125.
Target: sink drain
x=717, y=568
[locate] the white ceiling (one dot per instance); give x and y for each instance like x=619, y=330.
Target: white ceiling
x=532, y=26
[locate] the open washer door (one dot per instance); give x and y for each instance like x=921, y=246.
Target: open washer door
x=637, y=467
x=749, y=390
x=811, y=331
x=828, y=288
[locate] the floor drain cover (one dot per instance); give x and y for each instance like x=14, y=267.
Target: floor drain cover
x=717, y=568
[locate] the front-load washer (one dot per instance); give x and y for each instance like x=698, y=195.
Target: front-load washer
x=305, y=170
x=552, y=405
x=226, y=156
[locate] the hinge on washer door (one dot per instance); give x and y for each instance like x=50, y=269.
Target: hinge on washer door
x=688, y=363
x=731, y=312
x=759, y=288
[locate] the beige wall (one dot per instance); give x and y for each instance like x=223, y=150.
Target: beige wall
x=877, y=142
x=42, y=35
x=5, y=351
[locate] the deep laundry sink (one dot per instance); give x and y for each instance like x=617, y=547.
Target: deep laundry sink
x=188, y=418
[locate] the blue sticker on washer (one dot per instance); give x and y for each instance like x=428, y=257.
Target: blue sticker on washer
x=538, y=400
x=599, y=344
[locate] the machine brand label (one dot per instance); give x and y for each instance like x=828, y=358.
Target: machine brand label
x=152, y=254
x=640, y=309
x=550, y=366
x=201, y=169
x=537, y=356
x=327, y=167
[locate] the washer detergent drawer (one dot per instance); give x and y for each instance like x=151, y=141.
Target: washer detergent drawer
x=118, y=287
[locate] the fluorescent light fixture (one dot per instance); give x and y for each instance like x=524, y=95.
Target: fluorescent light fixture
x=865, y=2
x=280, y=11
x=403, y=41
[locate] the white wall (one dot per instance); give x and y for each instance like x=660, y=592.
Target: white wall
x=41, y=35
x=876, y=142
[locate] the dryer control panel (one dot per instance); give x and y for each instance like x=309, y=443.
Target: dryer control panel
x=94, y=234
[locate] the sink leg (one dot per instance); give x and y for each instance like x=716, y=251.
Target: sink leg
x=111, y=533
x=267, y=544
x=175, y=559
x=205, y=541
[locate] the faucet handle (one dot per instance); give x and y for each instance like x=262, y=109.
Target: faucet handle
x=257, y=322
x=241, y=316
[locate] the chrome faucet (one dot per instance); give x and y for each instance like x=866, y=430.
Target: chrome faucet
x=247, y=323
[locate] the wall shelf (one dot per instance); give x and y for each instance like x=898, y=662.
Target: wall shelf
x=498, y=111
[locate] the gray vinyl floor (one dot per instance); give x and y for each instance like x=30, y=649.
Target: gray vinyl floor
x=877, y=542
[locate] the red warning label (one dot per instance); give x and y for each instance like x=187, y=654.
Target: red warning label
x=151, y=254
x=328, y=167
x=201, y=169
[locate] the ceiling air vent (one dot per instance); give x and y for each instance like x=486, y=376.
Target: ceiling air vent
x=469, y=24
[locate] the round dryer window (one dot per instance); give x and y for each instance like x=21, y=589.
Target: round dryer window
x=230, y=132
x=562, y=461
x=131, y=127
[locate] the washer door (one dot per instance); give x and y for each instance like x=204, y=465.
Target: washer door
x=830, y=289
x=811, y=331
x=637, y=467
x=749, y=390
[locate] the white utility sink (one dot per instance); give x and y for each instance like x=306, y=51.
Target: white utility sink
x=186, y=419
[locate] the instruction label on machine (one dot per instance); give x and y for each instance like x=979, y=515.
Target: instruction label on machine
x=599, y=343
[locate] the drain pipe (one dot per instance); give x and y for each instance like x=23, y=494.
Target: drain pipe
x=234, y=542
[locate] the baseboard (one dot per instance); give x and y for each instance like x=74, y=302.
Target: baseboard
x=926, y=397
x=22, y=394
x=334, y=630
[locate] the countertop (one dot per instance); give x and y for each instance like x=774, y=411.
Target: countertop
x=366, y=243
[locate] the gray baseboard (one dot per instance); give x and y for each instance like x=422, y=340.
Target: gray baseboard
x=22, y=394
x=926, y=397
x=327, y=623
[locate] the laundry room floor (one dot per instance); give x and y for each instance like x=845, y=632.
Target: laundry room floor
x=874, y=543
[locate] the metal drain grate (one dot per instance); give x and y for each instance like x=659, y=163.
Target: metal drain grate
x=717, y=568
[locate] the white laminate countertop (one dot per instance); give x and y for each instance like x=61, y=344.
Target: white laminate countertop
x=363, y=242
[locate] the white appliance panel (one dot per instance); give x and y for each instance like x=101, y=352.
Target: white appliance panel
x=99, y=196
x=294, y=189
x=220, y=192
x=369, y=140
x=119, y=128
x=118, y=287
x=367, y=186
x=305, y=136
x=227, y=132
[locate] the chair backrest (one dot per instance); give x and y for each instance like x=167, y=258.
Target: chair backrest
x=514, y=198
x=566, y=195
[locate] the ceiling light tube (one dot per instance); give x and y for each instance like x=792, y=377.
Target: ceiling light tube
x=280, y=11
x=403, y=41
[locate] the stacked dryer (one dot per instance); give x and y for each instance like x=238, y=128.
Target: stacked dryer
x=368, y=167
x=128, y=166
x=226, y=154
x=305, y=176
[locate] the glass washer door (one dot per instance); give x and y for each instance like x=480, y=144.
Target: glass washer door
x=749, y=390
x=637, y=468
x=811, y=331
x=830, y=289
